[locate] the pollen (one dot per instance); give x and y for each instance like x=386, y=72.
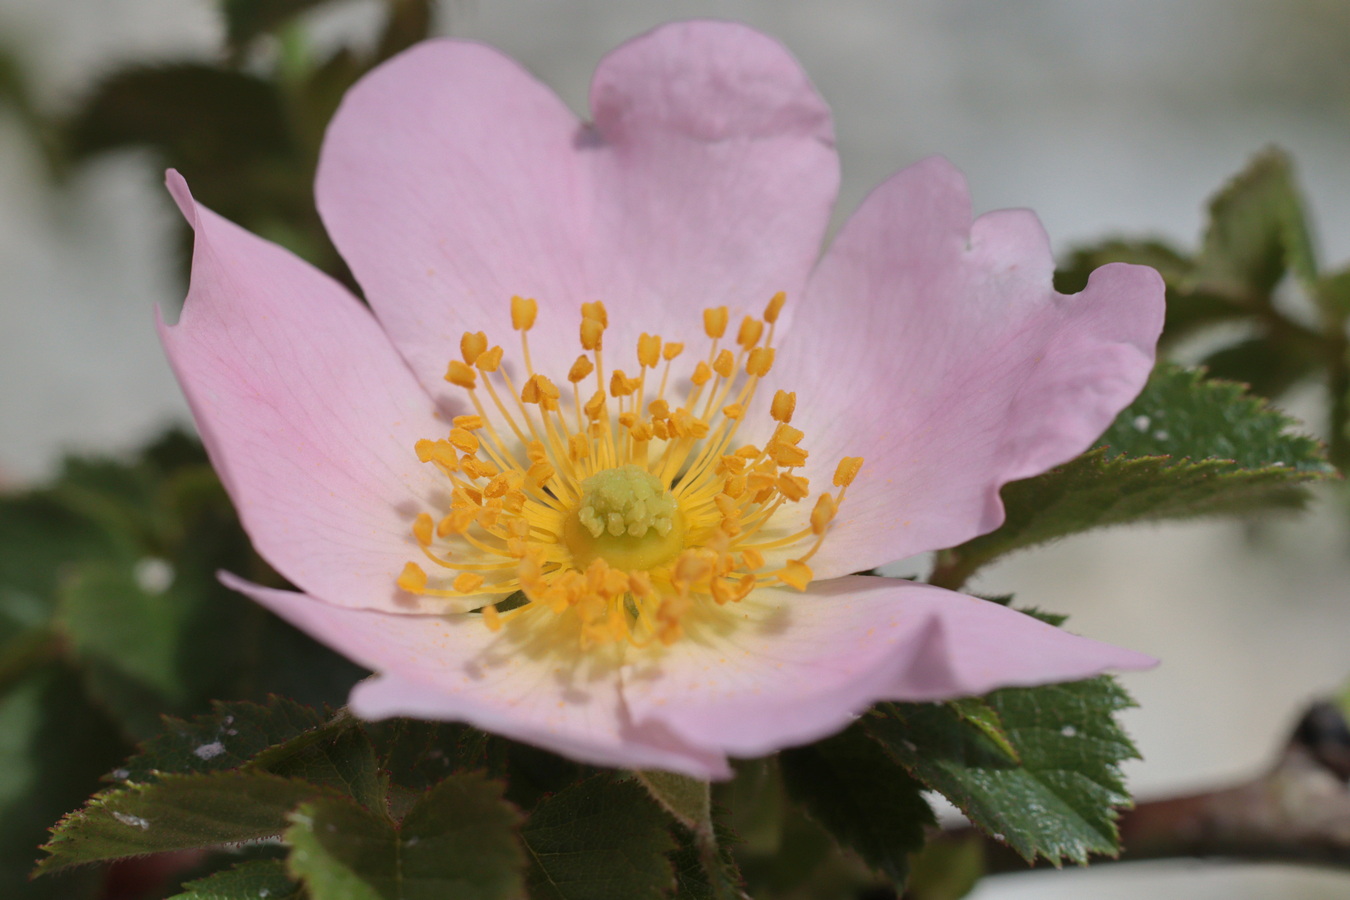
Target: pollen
x=621, y=498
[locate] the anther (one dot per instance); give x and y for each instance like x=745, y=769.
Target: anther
x=796, y=574
x=464, y=440
x=423, y=528
x=715, y=322
x=467, y=582
x=784, y=404
x=725, y=364
x=523, y=312
x=592, y=334
x=460, y=374
x=671, y=350
x=491, y=618
x=824, y=513
x=648, y=350
x=472, y=345
x=793, y=487
x=413, y=580
x=595, y=312
x=581, y=369
x=760, y=361
x=468, y=423
x=750, y=332
x=847, y=470
x=775, y=307
x=490, y=360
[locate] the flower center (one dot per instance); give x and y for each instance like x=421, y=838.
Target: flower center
x=626, y=505
x=627, y=518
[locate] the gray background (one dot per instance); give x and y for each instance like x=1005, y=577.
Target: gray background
x=1103, y=117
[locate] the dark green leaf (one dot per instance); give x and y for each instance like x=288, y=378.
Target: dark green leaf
x=1257, y=231
x=979, y=713
x=1186, y=447
x=851, y=786
x=1268, y=367
x=409, y=22
x=706, y=870
x=53, y=746
x=687, y=799
x=1060, y=801
x=253, y=880
x=226, y=738
x=336, y=755
x=598, y=840
x=457, y=841
x=177, y=812
x=946, y=869
x=195, y=114
x=107, y=617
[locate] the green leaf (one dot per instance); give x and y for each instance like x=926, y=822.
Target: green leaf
x=53, y=746
x=458, y=841
x=1186, y=447
x=247, y=881
x=946, y=869
x=1267, y=367
x=598, y=840
x=706, y=870
x=226, y=738
x=1060, y=801
x=177, y=812
x=687, y=799
x=1257, y=231
x=979, y=713
x=337, y=755
x=869, y=803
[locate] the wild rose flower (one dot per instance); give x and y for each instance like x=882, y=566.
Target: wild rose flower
x=697, y=437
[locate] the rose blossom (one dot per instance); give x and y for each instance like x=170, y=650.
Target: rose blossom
x=702, y=431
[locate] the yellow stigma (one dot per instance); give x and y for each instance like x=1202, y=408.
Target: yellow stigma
x=620, y=499
x=627, y=518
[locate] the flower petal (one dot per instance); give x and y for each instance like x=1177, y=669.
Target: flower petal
x=307, y=412
x=452, y=668
x=451, y=179
x=797, y=667
x=938, y=351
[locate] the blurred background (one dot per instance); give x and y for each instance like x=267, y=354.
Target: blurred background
x=1103, y=117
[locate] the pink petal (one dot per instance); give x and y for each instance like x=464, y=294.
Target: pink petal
x=797, y=667
x=452, y=668
x=937, y=350
x=450, y=179
x=307, y=412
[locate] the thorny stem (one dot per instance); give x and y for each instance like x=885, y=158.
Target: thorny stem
x=1296, y=812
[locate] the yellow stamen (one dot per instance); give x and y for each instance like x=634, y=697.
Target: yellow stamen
x=635, y=508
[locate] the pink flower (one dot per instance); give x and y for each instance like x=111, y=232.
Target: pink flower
x=689, y=591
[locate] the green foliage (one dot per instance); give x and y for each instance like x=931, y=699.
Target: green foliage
x=53, y=745
x=598, y=840
x=176, y=812
x=1186, y=447
x=685, y=798
x=862, y=796
x=1057, y=800
x=457, y=841
x=246, y=881
x=229, y=736
x=1257, y=231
